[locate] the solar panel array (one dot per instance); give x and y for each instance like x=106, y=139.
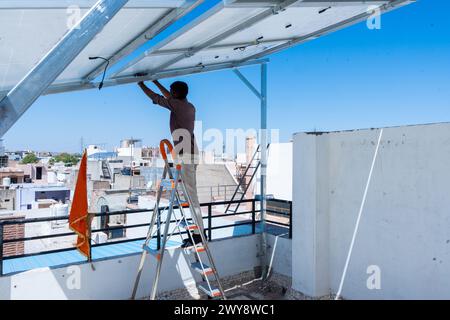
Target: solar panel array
x=231, y=33
x=245, y=30
x=29, y=29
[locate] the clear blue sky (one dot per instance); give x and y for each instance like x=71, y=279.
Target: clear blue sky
x=354, y=78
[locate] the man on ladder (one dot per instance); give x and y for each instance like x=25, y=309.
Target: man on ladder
x=182, y=119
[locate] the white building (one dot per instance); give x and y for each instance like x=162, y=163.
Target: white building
x=32, y=196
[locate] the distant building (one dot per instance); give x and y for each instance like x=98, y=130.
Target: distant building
x=16, y=155
x=7, y=199
x=150, y=152
x=34, y=172
x=3, y=156
x=4, y=160
x=34, y=196
x=10, y=175
x=93, y=149
x=130, y=150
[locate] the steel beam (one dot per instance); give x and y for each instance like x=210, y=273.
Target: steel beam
x=304, y=3
x=263, y=181
x=78, y=86
x=153, y=30
x=247, y=83
x=262, y=96
x=22, y=96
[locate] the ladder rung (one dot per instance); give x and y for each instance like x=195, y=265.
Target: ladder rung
x=168, y=184
x=213, y=293
x=189, y=226
x=153, y=252
x=198, y=248
x=184, y=204
x=197, y=266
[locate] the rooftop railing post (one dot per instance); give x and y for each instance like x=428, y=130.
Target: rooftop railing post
x=263, y=112
x=209, y=222
x=1, y=248
x=290, y=220
x=253, y=216
x=158, y=230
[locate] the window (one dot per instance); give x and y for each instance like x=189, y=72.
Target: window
x=38, y=173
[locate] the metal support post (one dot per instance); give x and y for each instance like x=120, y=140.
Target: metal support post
x=262, y=96
x=263, y=146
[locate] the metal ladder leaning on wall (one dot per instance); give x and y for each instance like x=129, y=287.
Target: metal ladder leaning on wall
x=172, y=180
x=243, y=186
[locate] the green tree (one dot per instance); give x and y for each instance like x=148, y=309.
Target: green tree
x=68, y=159
x=30, y=158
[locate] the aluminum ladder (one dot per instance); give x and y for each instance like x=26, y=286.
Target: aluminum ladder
x=172, y=181
x=243, y=186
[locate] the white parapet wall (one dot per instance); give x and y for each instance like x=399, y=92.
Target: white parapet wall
x=404, y=232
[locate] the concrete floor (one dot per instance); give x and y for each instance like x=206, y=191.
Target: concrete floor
x=244, y=287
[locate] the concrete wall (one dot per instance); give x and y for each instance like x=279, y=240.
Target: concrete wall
x=405, y=225
x=114, y=278
x=7, y=199
x=279, y=254
x=279, y=171
x=209, y=177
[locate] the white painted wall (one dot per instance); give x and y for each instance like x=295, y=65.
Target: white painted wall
x=279, y=254
x=279, y=171
x=114, y=278
x=405, y=225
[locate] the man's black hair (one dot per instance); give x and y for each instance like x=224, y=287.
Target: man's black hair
x=179, y=89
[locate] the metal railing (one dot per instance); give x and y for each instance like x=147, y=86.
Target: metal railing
x=209, y=217
x=223, y=191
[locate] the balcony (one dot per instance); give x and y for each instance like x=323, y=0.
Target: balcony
x=233, y=242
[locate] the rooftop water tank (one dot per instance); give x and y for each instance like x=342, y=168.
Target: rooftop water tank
x=51, y=177
x=59, y=210
x=6, y=182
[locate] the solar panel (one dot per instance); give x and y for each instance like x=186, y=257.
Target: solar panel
x=245, y=30
x=30, y=28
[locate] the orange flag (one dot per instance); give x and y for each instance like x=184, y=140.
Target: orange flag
x=79, y=220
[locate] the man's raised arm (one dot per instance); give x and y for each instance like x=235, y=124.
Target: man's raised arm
x=161, y=88
x=156, y=98
x=149, y=92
